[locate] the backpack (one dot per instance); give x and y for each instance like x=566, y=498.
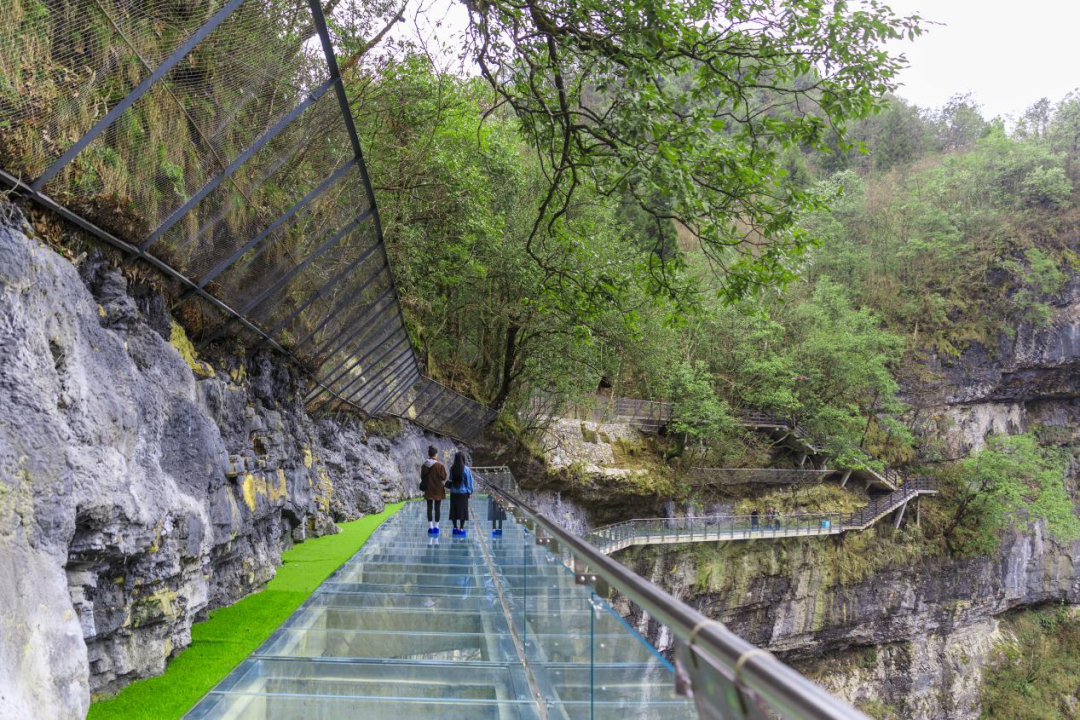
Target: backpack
x=425, y=469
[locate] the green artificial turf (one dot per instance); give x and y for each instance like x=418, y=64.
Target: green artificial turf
x=231, y=633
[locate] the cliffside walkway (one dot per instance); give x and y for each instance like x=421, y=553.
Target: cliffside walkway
x=514, y=627
x=724, y=528
x=652, y=415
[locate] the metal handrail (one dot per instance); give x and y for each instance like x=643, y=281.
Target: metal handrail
x=786, y=691
x=763, y=525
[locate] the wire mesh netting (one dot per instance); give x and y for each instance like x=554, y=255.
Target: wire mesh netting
x=215, y=136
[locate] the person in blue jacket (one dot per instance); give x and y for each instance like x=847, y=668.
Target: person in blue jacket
x=461, y=489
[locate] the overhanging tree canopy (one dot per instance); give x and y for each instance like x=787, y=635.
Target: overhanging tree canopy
x=687, y=106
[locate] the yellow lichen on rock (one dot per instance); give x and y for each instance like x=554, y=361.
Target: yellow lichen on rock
x=238, y=374
x=179, y=340
x=251, y=490
x=156, y=545
x=281, y=490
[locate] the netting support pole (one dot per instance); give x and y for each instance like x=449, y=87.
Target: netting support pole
x=355, y=363
x=168, y=64
x=342, y=304
x=430, y=399
x=393, y=397
x=349, y=329
x=297, y=207
x=384, y=333
x=235, y=165
x=319, y=293
x=427, y=396
x=51, y=205
x=386, y=365
x=394, y=392
x=369, y=389
x=437, y=409
x=417, y=376
x=319, y=252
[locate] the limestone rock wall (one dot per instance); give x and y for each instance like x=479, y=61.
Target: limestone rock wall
x=928, y=625
x=141, y=486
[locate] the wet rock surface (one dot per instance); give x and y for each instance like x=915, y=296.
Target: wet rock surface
x=140, y=489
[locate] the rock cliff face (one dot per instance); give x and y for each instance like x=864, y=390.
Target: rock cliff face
x=912, y=637
x=141, y=486
x=1032, y=377
x=909, y=637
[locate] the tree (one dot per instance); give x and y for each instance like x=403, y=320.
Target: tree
x=1011, y=480
x=697, y=414
x=960, y=123
x=687, y=107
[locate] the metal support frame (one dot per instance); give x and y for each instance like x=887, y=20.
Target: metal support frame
x=461, y=412
x=211, y=185
x=900, y=515
x=296, y=207
x=51, y=205
x=389, y=402
x=364, y=392
x=469, y=406
x=847, y=476
x=340, y=307
x=452, y=408
x=367, y=386
x=436, y=412
x=319, y=252
x=396, y=383
x=325, y=286
x=427, y=396
x=435, y=403
x=374, y=363
x=352, y=327
x=159, y=72
x=284, y=281
x=384, y=333
x=442, y=399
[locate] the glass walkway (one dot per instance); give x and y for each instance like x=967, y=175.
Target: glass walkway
x=446, y=628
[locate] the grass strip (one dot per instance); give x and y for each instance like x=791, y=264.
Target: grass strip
x=231, y=633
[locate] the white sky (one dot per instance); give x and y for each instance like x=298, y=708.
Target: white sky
x=1007, y=54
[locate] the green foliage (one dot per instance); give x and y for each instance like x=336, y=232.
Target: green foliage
x=815, y=358
x=1046, y=187
x=1034, y=674
x=689, y=108
x=1012, y=481
x=233, y=632
x=493, y=312
x=925, y=244
x=697, y=412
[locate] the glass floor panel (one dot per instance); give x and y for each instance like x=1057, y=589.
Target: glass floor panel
x=415, y=626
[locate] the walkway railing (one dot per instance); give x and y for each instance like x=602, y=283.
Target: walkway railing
x=879, y=507
x=712, y=528
x=720, y=528
x=726, y=676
